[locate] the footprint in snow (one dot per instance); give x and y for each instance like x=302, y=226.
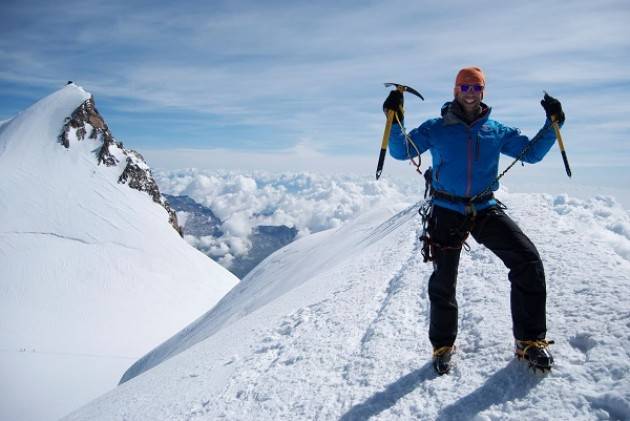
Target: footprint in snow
x=583, y=342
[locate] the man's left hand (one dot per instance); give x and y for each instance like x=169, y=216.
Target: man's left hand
x=553, y=107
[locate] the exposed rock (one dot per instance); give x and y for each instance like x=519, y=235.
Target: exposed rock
x=85, y=117
x=199, y=221
x=136, y=174
x=265, y=240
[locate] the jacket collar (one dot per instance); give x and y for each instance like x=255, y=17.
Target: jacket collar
x=452, y=114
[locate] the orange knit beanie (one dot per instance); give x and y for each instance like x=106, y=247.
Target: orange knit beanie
x=470, y=76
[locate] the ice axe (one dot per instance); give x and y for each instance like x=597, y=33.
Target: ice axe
x=388, y=125
x=556, y=128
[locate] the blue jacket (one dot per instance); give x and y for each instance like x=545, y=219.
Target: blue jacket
x=466, y=156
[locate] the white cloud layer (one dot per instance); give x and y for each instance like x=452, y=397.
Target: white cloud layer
x=313, y=202
x=307, y=201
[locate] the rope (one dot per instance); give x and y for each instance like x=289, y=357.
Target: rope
x=488, y=189
x=410, y=142
x=518, y=158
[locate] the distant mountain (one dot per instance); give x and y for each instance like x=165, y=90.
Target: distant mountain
x=265, y=239
x=93, y=270
x=200, y=221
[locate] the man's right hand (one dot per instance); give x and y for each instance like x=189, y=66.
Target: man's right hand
x=395, y=101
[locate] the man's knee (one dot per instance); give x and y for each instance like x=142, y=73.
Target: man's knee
x=442, y=283
x=529, y=274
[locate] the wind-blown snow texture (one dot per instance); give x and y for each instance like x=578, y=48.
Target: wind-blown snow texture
x=334, y=326
x=92, y=275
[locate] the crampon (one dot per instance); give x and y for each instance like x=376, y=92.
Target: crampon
x=536, y=353
x=442, y=359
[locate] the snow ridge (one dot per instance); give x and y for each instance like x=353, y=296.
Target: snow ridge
x=350, y=342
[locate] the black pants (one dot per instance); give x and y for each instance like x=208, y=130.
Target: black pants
x=499, y=233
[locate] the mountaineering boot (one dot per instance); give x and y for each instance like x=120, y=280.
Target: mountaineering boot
x=442, y=359
x=536, y=352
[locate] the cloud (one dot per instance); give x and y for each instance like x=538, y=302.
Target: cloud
x=306, y=201
x=247, y=75
x=312, y=202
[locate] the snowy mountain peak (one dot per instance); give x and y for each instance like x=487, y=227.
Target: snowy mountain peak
x=91, y=275
x=87, y=122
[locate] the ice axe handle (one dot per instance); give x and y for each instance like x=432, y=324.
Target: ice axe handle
x=556, y=129
x=386, y=132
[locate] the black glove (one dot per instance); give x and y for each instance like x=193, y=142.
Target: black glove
x=552, y=107
x=395, y=101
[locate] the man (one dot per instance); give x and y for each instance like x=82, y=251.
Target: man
x=465, y=145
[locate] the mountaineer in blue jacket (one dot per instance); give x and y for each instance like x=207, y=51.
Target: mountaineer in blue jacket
x=465, y=145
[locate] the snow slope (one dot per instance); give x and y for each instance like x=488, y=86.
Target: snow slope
x=334, y=326
x=92, y=275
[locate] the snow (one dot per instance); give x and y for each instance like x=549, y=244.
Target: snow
x=334, y=326
x=92, y=275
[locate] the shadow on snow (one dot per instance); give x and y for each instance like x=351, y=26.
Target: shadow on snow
x=381, y=401
x=510, y=383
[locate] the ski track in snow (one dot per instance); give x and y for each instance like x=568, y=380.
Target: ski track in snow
x=69, y=354
x=362, y=352
x=69, y=238
x=50, y=234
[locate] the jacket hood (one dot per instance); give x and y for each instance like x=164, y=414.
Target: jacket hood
x=452, y=113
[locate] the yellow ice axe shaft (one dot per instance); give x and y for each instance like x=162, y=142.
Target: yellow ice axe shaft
x=388, y=129
x=391, y=114
x=556, y=128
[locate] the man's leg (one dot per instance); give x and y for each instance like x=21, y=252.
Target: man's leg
x=442, y=228
x=498, y=232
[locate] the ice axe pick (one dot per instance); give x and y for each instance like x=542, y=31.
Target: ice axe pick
x=388, y=125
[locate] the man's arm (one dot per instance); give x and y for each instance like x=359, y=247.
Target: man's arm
x=398, y=147
x=514, y=143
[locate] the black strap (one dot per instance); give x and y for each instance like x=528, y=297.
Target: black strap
x=461, y=199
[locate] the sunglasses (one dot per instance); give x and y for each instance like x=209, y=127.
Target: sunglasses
x=466, y=88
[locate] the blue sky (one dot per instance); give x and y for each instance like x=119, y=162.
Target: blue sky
x=298, y=85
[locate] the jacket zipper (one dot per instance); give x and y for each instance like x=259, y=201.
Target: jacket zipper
x=471, y=155
x=470, y=164
x=478, y=148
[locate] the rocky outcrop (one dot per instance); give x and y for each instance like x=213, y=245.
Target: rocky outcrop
x=137, y=175
x=86, y=121
x=85, y=117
